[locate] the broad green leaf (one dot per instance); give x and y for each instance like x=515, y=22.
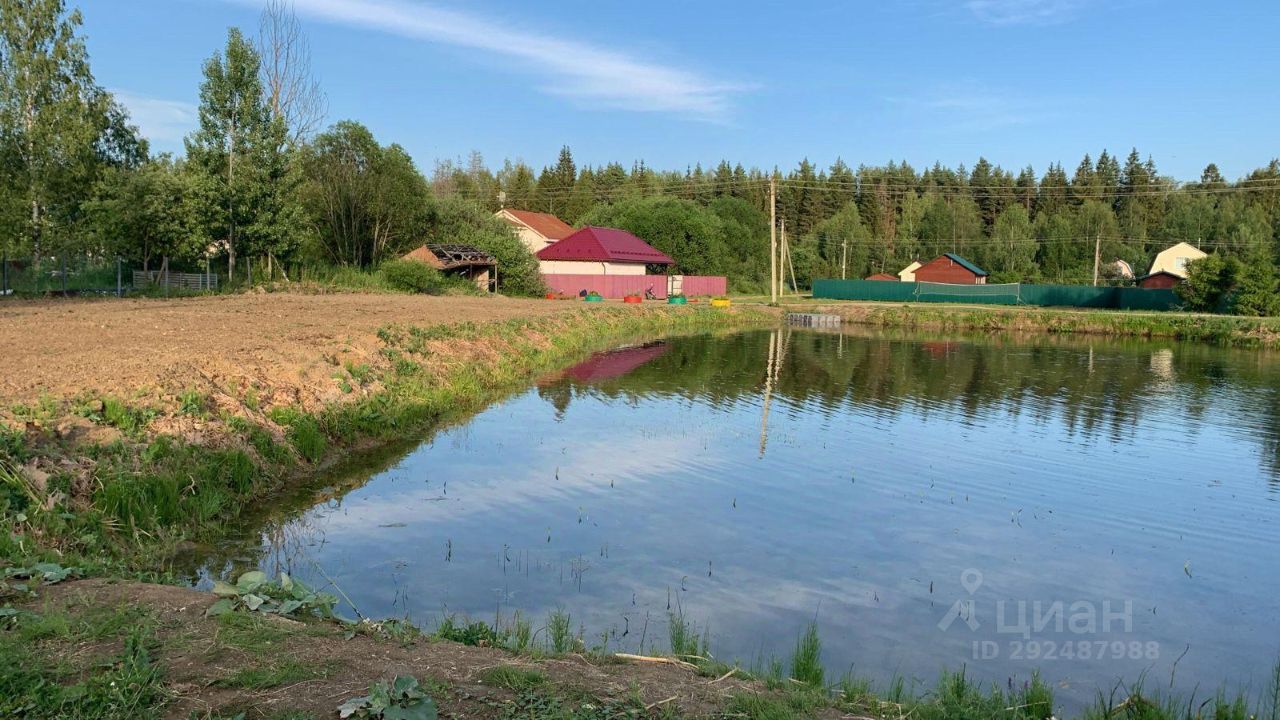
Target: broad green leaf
x=221, y=607
x=286, y=582
x=289, y=607
x=424, y=709
x=253, y=602
x=352, y=706
x=225, y=589
x=251, y=580
x=403, y=684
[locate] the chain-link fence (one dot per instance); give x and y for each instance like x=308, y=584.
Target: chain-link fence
x=96, y=276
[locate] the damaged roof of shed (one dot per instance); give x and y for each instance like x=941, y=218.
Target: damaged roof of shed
x=444, y=256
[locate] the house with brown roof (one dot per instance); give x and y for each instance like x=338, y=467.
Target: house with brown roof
x=536, y=230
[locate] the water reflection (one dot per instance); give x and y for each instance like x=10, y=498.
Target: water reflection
x=754, y=481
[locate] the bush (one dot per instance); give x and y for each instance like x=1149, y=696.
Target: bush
x=412, y=276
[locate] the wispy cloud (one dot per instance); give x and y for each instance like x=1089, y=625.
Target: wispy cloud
x=163, y=122
x=1023, y=12
x=583, y=72
x=970, y=108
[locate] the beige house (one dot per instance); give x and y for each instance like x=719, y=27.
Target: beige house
x=536, y=230
x=1174, y=260
x=590, y=267
x=908, y=273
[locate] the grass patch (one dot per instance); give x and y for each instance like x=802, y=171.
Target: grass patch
x=251, y=633
x=285, y=672
x=126, y=686
x=513, y=677
x=560, y=638
x=806, y=661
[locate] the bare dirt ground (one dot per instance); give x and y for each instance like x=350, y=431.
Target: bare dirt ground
x=200, y=658
x=277, y=342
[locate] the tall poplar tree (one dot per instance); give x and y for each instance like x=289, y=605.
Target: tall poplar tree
x=241, y=155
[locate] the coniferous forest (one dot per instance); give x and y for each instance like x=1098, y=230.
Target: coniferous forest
x=268, y=179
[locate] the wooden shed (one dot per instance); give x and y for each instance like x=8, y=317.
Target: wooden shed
x=952, y=269
x=1162, y=280
x=465, y=261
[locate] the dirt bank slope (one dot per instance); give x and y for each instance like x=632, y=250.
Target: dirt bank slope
x=269, y=666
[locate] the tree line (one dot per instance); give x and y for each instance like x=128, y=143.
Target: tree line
x=259, y=179
x=851, y=222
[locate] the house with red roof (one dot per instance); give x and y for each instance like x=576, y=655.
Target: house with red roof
x=600, y=251
x=536, y=230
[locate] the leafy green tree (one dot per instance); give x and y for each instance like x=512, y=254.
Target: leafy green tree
x=227, y=149
x=1258, y=288
x=457, y=221
x=1210, y=280
x=517, y=181
x=1012, y=251
x=249, y=172
x=692, y=235
x=842, y=242
x=746, y=239
x=58, y=129
x=365, y=203
x=1060, y=257
x=145, y=214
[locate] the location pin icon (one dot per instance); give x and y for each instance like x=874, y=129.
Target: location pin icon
x=971, y=580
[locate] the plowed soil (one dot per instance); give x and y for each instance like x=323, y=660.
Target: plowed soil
x=278, y=342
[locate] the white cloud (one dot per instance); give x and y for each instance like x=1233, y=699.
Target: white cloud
x=164, y=122
x=1023, y=12
x=588, y=74
x=967, y=108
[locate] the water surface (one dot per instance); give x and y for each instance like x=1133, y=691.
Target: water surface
x=920, y=496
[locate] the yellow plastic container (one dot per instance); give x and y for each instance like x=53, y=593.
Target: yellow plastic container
x=721, y=302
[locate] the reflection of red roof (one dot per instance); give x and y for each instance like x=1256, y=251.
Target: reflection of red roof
x=615, y=363
x=547, y=225
x=605, y=245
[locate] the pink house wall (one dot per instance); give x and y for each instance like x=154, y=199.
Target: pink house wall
x=617, y=286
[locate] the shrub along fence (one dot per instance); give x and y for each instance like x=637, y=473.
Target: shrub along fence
x=1082, y=296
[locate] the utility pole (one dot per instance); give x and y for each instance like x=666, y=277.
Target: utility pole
x=787, y=264
x=844, y=257
x=773, y=238
x=782, y=259
x=1097, y=257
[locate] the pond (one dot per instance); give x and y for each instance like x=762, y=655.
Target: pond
x=1095, y=510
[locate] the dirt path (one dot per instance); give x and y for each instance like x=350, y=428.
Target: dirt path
x=281, y=341
x=267, y=666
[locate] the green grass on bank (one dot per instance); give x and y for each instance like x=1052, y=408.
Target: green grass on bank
x=1222, y=330
x=107, y=662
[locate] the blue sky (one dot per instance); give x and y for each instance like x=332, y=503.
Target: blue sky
x=753, y=81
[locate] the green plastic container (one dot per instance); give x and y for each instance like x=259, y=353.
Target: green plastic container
x=593, y=298
x=677, y=300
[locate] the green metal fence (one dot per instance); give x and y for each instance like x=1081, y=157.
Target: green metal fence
x=1081, y=296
